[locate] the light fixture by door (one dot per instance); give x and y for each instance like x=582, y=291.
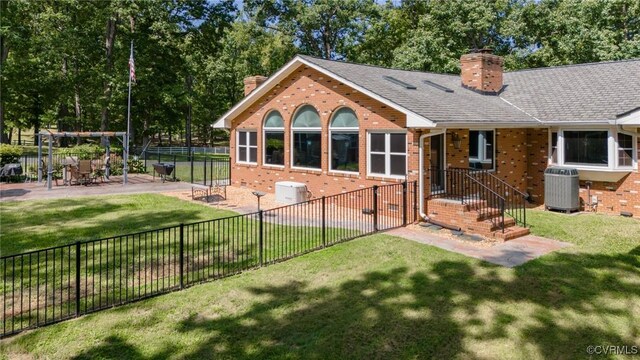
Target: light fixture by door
x=455, y=138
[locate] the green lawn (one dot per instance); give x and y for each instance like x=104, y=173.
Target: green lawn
x=183, y=170
x=140, y=264
x=383, y=297
x=32, y=225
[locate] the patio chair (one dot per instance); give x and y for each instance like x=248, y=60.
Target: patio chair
x=68, y=163
x=84, y=171
x=73, y=175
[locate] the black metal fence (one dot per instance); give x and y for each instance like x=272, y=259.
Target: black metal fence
x=51, y=285
x=197, y=168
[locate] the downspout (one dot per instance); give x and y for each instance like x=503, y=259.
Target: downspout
x=421, y=175
x=421, y=187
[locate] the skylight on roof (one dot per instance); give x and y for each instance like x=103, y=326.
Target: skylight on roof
x=399, y=82
x=437, y=86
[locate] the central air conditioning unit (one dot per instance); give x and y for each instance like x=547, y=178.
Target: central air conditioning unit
x=561, y=189
x=290, y=192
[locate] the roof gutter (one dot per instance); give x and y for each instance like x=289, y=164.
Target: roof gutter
x=487, y=124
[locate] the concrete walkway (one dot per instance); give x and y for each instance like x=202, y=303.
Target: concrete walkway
x=138, y=183
x=509, y=254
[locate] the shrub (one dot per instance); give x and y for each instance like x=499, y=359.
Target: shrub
x=83, y=152
x=136, y=166
x=9, y=154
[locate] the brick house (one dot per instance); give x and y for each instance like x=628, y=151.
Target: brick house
x=338, y=126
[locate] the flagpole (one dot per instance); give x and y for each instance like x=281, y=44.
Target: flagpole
x=126, y=157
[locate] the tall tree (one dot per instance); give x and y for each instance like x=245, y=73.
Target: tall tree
x=449, y=29
x=323, y=28
x=551, y=32
x=4, y=52
x=109, y=42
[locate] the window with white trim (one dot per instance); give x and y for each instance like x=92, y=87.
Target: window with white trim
x=247, y=147
x=387, y=154
x=606, y=149
x=307, y=141
x=344, y=142
x=586, y=147
x=273, y=139
x=481, y=149
x=554, y=147
x=625, y=150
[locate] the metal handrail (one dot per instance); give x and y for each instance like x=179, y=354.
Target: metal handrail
x=495, y=194
x=517, y=208
x=485, y=172
x=485, y=187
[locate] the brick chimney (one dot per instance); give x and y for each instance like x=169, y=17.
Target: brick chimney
x=252, y=82
x=481, y=71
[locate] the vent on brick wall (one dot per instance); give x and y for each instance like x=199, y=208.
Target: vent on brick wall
x=399, y=82
x=437, y=86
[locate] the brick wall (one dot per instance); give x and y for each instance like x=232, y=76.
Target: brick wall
x=537, y=152
x=481, y=72
x=521, y=154
x=307, y=86
x=511, y=154
x=613, y=198
x=511, y=157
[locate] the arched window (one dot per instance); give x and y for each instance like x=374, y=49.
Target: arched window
x=273, y=139
x=306, y=144
x=344, y=141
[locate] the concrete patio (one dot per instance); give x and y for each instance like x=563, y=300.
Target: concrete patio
x=137, y=183
x=510, y=254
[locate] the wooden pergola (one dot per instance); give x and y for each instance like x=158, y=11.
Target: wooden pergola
x=50, y=135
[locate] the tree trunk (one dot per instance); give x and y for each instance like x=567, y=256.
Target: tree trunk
x=2, y=137
x=110, y=36
x=145, y=132
x=36, y=128
x=76, y=102
x=327, y=43
x=4, y=52
x=63, y=108
x=189, y=84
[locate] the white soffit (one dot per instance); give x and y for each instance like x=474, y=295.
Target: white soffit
x=631, y=118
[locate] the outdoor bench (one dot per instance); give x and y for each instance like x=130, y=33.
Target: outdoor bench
x=207, y=192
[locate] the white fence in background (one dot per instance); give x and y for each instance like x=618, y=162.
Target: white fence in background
x=183, y=150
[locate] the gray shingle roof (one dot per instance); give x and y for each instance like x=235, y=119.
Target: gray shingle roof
x=590, y=92
x=587, y=92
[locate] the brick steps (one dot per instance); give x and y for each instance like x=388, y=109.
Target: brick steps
x=470, y=219
x=511, y=233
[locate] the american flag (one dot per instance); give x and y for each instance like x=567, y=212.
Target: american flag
x=132, y=66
